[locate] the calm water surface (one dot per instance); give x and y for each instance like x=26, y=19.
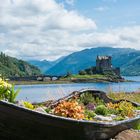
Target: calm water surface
x=38, y=93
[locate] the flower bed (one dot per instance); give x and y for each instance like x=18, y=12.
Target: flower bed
x=87, y=107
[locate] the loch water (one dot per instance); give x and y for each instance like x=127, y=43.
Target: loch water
x=39, y=93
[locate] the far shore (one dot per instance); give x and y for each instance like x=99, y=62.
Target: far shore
x=65, y=81
x=96, y=78
x=38, y=82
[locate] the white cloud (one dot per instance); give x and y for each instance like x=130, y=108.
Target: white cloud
x=29, y=26
x=43, y=29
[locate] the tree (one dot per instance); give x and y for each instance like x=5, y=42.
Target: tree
x=82, y=72
x=69, y=74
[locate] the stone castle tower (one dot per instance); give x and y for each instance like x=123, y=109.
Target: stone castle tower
x=104, y=63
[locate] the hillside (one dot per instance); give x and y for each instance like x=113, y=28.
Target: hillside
x=132, y=66
x=10, y=66
x=125, y=58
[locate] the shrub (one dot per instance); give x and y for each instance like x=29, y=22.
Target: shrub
x=48, y=110
x=70, y=109
x=82, y=72
x=119, y=118
x=7, y=91
x=137, y=126
x=123, y=108
x=28, y=105
x=89, y=115
x=126, y=108
x=86, y=98
x=113, y=108
x=101, y=110
x=138, y=108
x=99, y=101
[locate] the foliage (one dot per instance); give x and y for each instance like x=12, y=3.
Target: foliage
x=137, y=126
x=89, y=115
x=7, y=91
x=99, y=101
x=138, y=108
x=126, y=109
x=12, y=94
x=69, y=74
x=13, y=67
x=101, y=110
x=82, y=72
x=87, y=98
x=135, y=97
x=123, y=108
x=119, y=118
x=48, y=110
x=70, y=109
x=28, y=105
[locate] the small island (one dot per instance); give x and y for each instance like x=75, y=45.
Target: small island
x=102, y=72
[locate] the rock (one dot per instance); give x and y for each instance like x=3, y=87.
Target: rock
x=40, y=109
x=137, y=112
x=113, y=116
x=103, y=118
x=20, y=103
x=128, y=135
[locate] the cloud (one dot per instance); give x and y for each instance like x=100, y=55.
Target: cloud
x=44, y=29
x=29, y=26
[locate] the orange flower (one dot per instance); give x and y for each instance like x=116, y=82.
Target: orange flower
x=70, y=109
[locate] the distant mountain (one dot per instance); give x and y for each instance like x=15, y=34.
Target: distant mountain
x=127, y=59
x=10, y=66
x=44, y=65
x=131, y=65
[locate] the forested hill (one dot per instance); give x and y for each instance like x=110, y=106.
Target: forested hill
x=10, y=66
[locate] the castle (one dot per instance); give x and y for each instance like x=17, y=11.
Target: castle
x=104, y=64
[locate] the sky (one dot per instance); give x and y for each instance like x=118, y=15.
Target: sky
x=49, y=29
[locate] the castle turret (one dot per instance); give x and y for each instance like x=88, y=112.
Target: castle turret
x=103, y=63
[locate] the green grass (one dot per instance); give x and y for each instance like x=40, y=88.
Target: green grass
x=135, y=97
x=76, y=76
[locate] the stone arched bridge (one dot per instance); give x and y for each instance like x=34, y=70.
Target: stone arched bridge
x=36, y=78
